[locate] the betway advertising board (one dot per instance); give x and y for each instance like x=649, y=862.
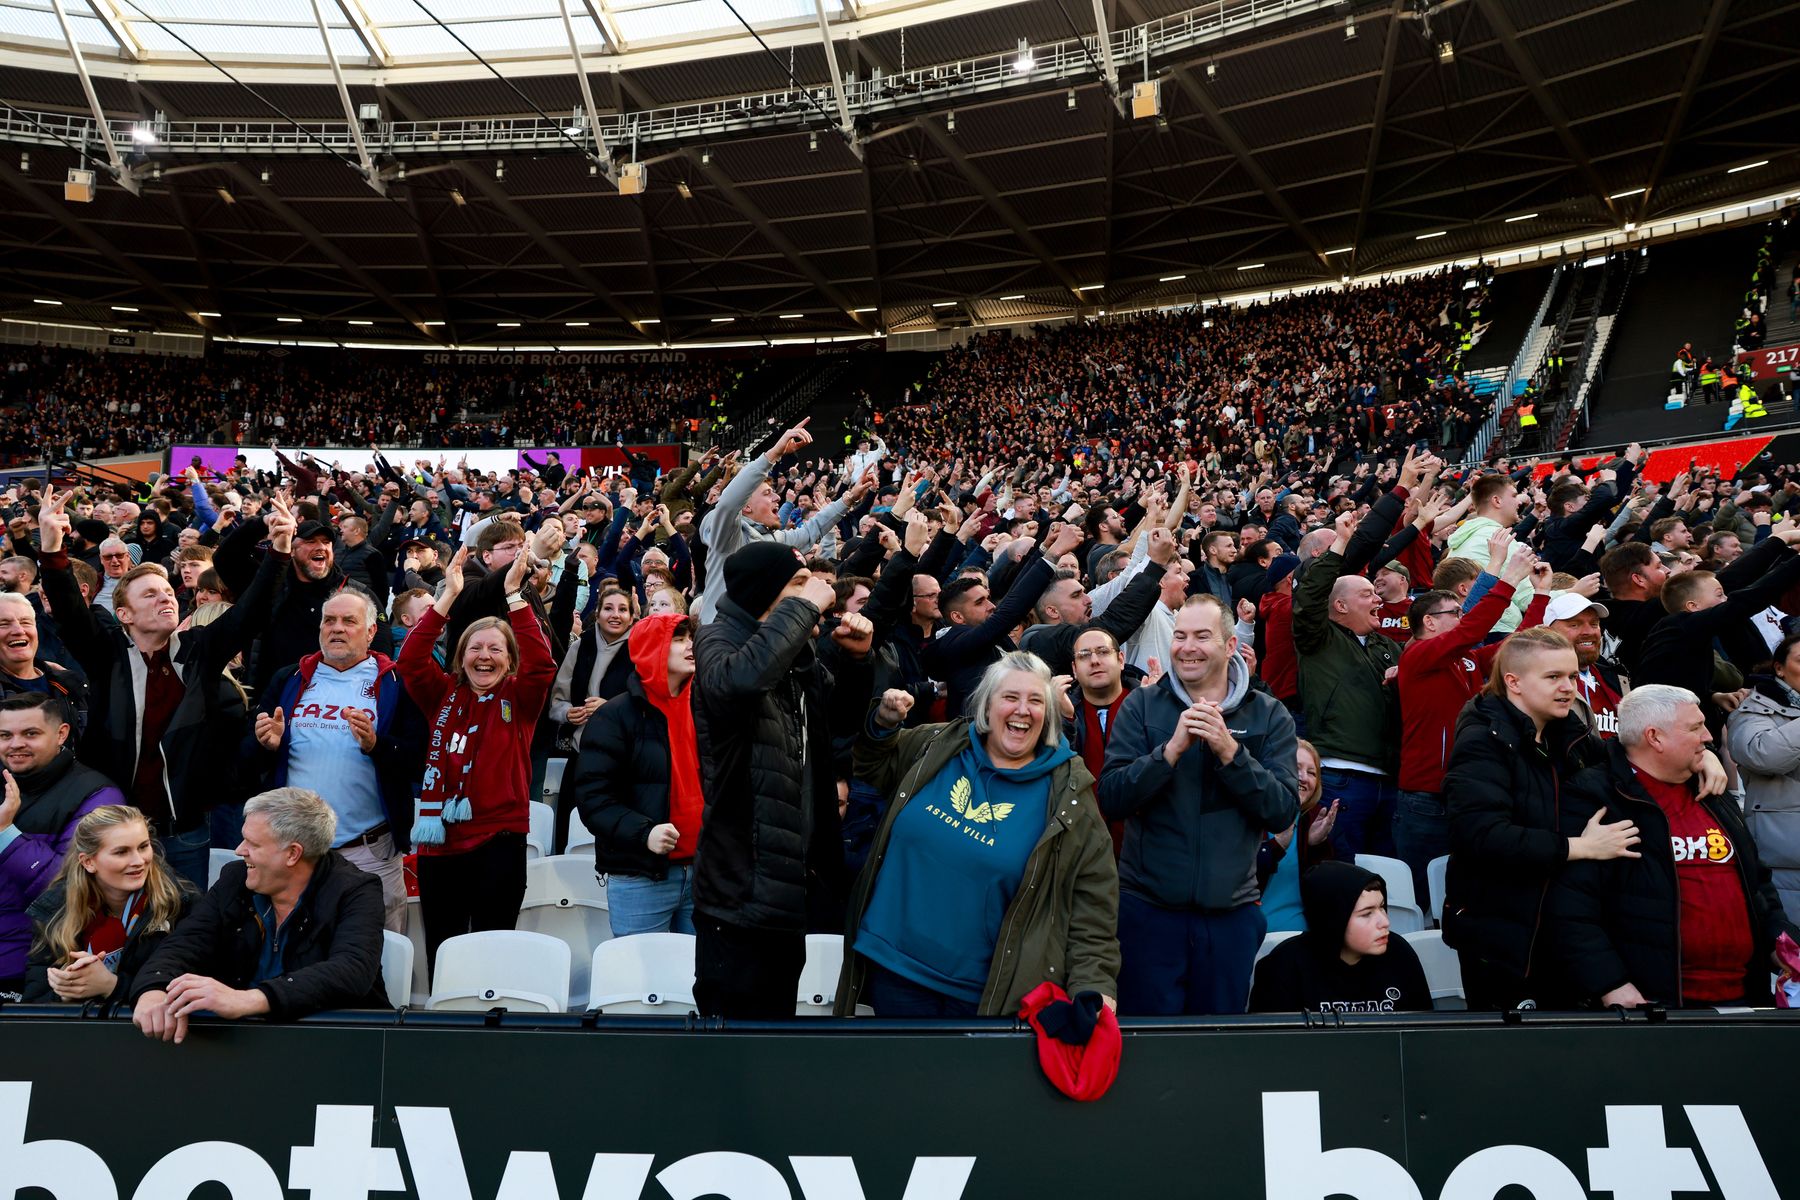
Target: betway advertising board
x=89, y=1110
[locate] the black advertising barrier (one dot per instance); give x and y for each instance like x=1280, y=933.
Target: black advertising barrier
x=1375, y=1110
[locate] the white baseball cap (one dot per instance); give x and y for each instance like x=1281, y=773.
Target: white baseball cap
x=1569, y=605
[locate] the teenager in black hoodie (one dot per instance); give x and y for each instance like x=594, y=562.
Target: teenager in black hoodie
x=1346, y=961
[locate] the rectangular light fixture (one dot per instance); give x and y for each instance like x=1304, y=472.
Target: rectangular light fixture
x=226, y=196
x=687, y=193
x=1090, y=287
x=123, y=308
x=362, y=322
x=792, y=316
x=288, y=320
x=722, y=320
x=1341, y=250
x=507, y=324
x=215, y=316
x=575, y=324
x=1253, y=266
x=50, y=303
x=431, y=324
x=1426, y=237
x=1761, y=162
x=651, y=321
x=1171, y=279
x=1006, y=298
x=943, y=304
x=1627, y=192
x=1521, y=217
x=869, y=309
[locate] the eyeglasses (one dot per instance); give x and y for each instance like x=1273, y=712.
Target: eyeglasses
x=1445, y=612
x=1091, y=655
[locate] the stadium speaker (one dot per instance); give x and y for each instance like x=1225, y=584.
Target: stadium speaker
x=634, y=178
x=79, y=187
x=1146, y=99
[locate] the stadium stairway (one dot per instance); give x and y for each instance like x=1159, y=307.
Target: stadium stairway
x=1686, y=293
x=1783, y=330
x=1512, y=299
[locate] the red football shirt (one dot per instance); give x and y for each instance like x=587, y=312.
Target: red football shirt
x=1716, y=942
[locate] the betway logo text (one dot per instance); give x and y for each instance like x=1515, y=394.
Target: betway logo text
x=1637, y=1162
x=343, y=1164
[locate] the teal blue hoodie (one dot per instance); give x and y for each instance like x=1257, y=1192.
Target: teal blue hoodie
x=954, y=859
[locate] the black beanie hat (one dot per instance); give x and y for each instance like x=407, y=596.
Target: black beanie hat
x=756, y=573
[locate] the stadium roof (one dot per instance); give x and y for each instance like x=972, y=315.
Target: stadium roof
x=954, y=184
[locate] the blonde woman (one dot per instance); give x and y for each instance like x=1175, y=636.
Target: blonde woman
x=106, y=911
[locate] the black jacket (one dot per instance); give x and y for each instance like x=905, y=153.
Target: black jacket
x=1502, y=793
x=622, y=782
x=1308, y=973
x=1619, y=921
x=960, y=653
x=140, y=944
x=333, y=954
x=65, y=685
x=1563, y=535
x=764, y=705
x=292, y=629
x=1055, y=644
x=203, y=734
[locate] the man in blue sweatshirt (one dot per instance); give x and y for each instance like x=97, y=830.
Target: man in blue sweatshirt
x=1200, y=768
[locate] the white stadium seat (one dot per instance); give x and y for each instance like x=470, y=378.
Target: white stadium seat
x=644, y=974
x=1436, y=872
x=220, y=859
x=1404, y=914
x=564, y=900
x=1443, y=970
x=1272, y=940
x=819, y=977
x=396, y=967
x=581, y=841
x=553, y=779
x=543, y=831
x=421, y=969
x=501, y=968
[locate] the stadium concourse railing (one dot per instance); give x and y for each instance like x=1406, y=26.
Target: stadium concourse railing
x=1049, y=64
x=1490, y=429
x=1451, y=1106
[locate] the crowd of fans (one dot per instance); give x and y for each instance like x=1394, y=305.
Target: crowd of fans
x=79, y=404
x=1095, y=690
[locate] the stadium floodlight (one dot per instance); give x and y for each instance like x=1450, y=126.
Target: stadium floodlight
x=1446, y=52
x=1026, y=60
x=1071, y=99
x=705, y=156
x=265, y=174
x=687, y=193
x=499, y=168
x=143, y=134
x=812, y=142
x=1212, y=70
x=457, y=198
x=225, y=195
x=950, y=121
x=1350, y=28
x=25, y=162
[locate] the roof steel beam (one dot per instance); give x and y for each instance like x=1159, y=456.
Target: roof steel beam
x=1223, y=130
x=120, y=171
x=1527, y=68
x=496, y=195
x=775, y=237
x=349, y=266
x=604, y=22
x=119, y=28
x=366, y=32
x=601, y=156
x=978, y=179
x=1709, y=37
x=1109, y=70
x=1376, y=124
x=846, y=126
x=370, y=174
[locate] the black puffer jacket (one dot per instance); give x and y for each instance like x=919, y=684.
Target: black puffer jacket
x=332, y=958
x=622, y=781
x=1619, y=921
x=771, y=855
x=1502, y=794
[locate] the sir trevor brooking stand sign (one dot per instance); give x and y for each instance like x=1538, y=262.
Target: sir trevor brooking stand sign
x=91, y=1111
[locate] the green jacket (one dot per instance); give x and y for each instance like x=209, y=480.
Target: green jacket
x=1350, y=711
x=1062, y=925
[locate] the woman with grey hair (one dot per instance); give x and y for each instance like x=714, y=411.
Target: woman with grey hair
x=992, y=870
